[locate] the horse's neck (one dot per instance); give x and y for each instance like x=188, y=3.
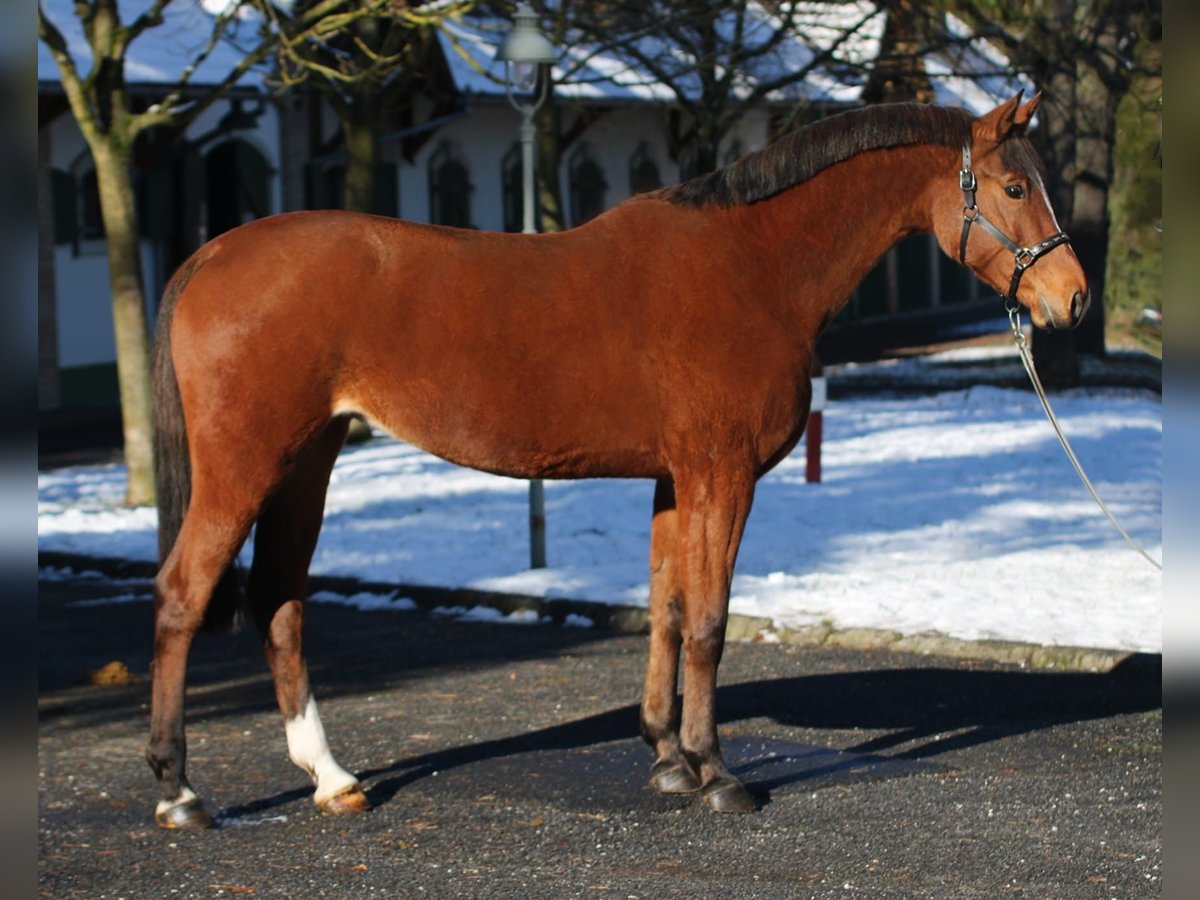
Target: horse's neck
x=831, y=230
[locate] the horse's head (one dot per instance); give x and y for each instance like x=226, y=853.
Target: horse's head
x=1007, y=233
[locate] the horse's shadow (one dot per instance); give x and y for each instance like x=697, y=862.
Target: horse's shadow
x=915, y=717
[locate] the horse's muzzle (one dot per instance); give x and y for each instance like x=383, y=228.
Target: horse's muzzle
x=1080, y=301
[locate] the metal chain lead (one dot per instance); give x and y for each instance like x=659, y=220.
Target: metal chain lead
x=1014, y=318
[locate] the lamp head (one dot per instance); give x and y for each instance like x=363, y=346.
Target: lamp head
x=525, y=48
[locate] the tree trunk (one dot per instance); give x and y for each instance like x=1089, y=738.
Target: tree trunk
x=359, y=126
x=115, y=181
x=1054, y=352
x=1133, y=280
x=1096, y=104
x=549, y=195
x=900, y=72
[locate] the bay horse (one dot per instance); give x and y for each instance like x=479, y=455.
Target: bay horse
x=666, y=339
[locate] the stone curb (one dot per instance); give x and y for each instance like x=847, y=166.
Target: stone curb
x=633, y=619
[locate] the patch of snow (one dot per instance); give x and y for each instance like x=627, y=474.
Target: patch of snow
x=366, y=602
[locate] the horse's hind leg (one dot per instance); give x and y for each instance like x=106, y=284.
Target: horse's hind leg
x=215, y=527
x=284, y=541
x=660, y=709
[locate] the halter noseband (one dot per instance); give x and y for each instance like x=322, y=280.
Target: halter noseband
x=1023, y=257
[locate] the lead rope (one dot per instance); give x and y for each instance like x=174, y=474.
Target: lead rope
x=1014, y=318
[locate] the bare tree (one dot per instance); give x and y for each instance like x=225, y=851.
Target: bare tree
x=111, y=122
x=363, y=57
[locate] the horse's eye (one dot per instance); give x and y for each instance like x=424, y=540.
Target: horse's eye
x=1015, y=191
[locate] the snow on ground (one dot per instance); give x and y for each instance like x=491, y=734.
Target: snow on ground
x=955, y=513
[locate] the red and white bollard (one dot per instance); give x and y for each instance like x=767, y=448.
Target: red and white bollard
x=812, y=438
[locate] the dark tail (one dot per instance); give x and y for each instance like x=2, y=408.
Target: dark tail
x=173, y=465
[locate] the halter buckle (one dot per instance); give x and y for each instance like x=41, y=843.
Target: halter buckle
x=966, y=180
x=1024, y=258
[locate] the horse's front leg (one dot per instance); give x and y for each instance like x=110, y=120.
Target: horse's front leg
x=712, y=508
x=660, y=707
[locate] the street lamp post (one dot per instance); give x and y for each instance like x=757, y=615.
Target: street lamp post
x=527, y=56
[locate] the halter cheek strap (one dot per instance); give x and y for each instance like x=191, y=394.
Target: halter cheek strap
x=1023, y=257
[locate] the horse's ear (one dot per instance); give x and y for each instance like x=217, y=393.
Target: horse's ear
x=992, y=128
x=1025, y=113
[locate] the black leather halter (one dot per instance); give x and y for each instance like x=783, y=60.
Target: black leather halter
x=1023, y=257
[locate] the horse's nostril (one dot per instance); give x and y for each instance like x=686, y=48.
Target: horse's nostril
x=1079, y=303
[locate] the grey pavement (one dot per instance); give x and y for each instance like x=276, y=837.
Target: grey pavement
x=503, y=761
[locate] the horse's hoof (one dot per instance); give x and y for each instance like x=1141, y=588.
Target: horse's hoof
x=188, y=814
x=729, y=796
x=346, y=802
x=673, y=778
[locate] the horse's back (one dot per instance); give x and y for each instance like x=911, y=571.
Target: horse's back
x=502, y=352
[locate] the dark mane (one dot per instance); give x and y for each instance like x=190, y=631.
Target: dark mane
x=800, y=155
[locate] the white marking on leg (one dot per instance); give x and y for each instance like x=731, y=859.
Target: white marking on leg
x=309, y=750
x=186, y=795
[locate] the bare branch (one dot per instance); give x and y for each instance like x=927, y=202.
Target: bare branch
x=85, y=113
x=173, y=110
x=151, y=18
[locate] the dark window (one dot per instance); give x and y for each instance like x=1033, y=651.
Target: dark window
x=66, y=213
x=237, y=183
x=734, y=153
x=326, y=185
x=643, y=171
x=76, y=197
x=588, y=187
x=385, y=199
x=91, y=224
x=449, y=189
x=688, y=165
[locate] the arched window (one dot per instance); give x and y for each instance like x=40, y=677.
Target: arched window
x=449, y=188
x=643, y=171
x=588, y=186
x=513, y=195
x=237, y=186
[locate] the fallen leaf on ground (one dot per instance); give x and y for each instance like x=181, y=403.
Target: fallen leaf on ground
x=115, y=672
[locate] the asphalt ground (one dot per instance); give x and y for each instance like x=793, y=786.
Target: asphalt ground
x=503, y=761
